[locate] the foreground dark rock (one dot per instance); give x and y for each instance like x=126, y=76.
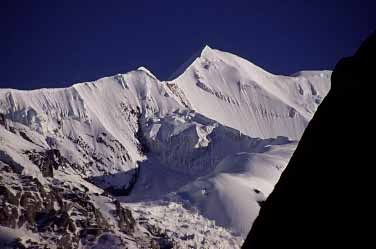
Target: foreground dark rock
x=322, y=199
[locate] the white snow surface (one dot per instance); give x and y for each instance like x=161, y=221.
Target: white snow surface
x=217, y=138
x=239, y=94
x=232, y=193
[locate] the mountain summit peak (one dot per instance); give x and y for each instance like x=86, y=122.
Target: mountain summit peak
x=204, y=51
x=206, y=48
x=147, y=71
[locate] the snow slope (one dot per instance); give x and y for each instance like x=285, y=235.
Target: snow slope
x=241, y=95
x=212, y=141
x=233, y=193
x=93, y=123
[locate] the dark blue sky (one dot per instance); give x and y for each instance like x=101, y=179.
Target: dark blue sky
x=56, y=43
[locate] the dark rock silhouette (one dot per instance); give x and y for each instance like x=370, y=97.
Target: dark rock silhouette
x=323, y=198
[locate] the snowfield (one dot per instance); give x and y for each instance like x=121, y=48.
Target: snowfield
x=129, y=161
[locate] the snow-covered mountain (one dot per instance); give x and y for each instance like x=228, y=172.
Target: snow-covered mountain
x=237, y=93
x=207, y=146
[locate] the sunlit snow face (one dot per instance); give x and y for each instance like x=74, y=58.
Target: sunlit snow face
x=194, y=155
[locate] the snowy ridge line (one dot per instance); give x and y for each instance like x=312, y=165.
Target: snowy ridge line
x=124, y=151
x=254, y=95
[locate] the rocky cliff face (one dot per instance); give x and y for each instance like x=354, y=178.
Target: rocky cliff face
x=323, y=198
x=47, y=209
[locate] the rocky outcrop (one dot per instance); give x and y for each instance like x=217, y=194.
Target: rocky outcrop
x=125, y=219
x=8, y=213
x=8, y=164
x=176, y=90
x=324, y=197
x=47, y=161
x=62, y=214
x=3, y=121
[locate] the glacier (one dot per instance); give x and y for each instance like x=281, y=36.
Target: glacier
x=192, y=158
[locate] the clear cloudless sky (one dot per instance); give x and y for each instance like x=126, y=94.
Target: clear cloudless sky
x=56, y=43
